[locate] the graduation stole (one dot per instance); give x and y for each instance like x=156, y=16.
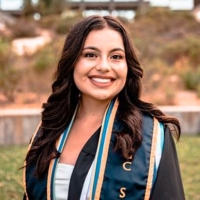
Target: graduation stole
x=100, y=158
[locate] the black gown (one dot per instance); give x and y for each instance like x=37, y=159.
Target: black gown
x=116, y=178
x=168, y=184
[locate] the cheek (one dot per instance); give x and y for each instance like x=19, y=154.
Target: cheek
x=123, y=72
x=77, y=81
x=80, y=76
x=78, y=70
x=76, y=76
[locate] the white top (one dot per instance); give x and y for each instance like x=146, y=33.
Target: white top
x=62, y=179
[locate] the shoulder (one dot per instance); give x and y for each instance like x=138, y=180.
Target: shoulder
x=147, y=122
x=35, y=136
x=172, y=129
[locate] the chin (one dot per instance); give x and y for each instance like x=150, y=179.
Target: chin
x=104, y=98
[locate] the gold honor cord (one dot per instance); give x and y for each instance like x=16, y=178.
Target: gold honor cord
x=59, y=146
x=24, y=169
x=104, y=153
x=152, y=160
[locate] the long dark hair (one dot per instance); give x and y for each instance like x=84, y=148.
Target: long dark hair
x=60, y=106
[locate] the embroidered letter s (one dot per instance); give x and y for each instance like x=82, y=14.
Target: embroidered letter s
x=122, y=192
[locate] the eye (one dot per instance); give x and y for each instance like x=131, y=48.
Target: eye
x=90, y=55
x=116, y=57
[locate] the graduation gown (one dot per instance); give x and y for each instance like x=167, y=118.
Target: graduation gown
x=122, y=179
x=168, y=184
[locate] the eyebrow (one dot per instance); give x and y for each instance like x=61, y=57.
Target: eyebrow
x=96, y=49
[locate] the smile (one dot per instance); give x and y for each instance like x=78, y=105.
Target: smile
x=102, y=80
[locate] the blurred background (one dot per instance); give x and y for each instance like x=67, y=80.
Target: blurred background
x=166, y=35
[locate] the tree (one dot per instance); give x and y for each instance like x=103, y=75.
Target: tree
x=51, y=6
x=29, y=9
x=44, y=7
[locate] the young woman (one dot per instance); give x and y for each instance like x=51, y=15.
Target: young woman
x=97, y=138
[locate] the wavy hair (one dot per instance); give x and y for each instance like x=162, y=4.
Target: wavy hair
x=60, y=106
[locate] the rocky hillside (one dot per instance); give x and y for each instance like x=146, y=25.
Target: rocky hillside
x=167, y=43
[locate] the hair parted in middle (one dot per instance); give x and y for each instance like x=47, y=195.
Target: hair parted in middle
x=72, y=49
x=60, y=106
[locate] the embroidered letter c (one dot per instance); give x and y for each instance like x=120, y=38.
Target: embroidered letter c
x=125, y=167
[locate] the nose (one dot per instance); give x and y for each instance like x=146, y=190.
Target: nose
x=103, y=65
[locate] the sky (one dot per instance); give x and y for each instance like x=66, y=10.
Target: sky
x=173, y=4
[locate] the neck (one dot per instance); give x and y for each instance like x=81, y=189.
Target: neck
x=92, y=109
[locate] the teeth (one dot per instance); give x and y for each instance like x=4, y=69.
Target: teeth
x=101, y=80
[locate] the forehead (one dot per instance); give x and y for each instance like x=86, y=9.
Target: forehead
x=104, y=37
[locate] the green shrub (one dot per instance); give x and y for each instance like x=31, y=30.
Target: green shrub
x=8, y=75
x=191, y=79
x=49, y=21
x=168, y=35
x=9, y=78
x=188, y=47
x=65, y=24
x=161, y=18
x=4, y=51
x=58, y=23
x=44, y=59
x=198, y=90
x=193, y=50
